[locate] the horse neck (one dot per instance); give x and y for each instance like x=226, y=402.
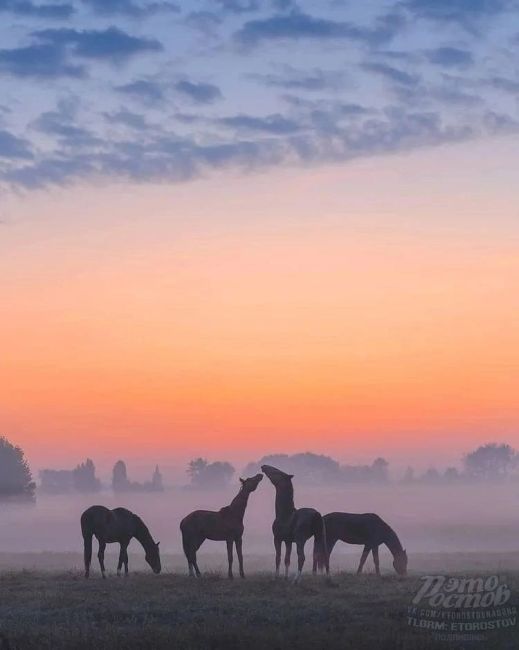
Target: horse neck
x=143, y=535
x=284, y=501
x=239, y=503
x=392, y=542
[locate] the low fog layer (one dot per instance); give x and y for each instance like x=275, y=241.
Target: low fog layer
x=441, y=518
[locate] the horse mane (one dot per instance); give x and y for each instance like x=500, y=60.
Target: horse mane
x=285, y=498
x=392, y=541
x=142, y=532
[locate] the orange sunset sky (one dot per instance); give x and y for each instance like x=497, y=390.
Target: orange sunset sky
x=357, y=310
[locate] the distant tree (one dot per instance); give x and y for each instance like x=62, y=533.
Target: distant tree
x=156, y=481
x=313, y=469
x=56, y=481
x=432, y=475
x=451, y=475
x=409, y=476
x=15, y=474
x=379, y=470
x=490, y=462
x=84, y=476
x=120, y=481
x=205, y=474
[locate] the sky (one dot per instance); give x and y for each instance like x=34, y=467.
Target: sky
x=237, y=227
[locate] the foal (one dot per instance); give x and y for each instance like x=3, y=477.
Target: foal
x=368, y=529
x=118, y=525
x=225, y=525
x=291, y=525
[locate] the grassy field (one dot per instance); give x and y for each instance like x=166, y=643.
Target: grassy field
x=60, y=609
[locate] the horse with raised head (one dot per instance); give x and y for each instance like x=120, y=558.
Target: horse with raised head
x=224, y=525
x=368, y=529
x=118, y=525
x=293, y=525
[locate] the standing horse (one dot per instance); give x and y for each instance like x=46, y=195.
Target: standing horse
x=225, y=525
x=368, y=529
x=118, y=525
x=295, y=525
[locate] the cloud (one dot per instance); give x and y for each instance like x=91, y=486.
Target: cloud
x=112, y=43
x=450, y=57
x=395, y=75
x=13, y=147
x=143, y=89
x=273, y=124
x=45, y=61
x=127, y=118
x=311, y=80
x=129, y=7
x=62, y=125
x=239, y=6
x=34, y=10
x=464, y=12
x=200, y=93
x=298, y=25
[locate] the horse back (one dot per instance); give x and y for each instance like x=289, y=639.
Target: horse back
x=300, y=523
x=108, y=525
x=210, y=524
x=353, y=528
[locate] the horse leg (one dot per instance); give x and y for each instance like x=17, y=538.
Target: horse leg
x=330, y=543
x=121, y=560
x=300, y=545
x=87, y=543
x=101, y=557
x=363, y=558
x=277, y=546
x=374, y=550
x=125, y=560
x=239, y=553
x=288, y=552
x=192, y=555
x=229, y=557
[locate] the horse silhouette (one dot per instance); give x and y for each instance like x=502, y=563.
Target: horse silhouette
x=225, y=525
x=295, y=525
x=118, y=525
x=368, y=529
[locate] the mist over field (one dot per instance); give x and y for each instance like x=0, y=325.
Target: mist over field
x=429, y=519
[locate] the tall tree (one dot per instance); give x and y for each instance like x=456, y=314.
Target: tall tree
x=15, y=474
x=490, y=462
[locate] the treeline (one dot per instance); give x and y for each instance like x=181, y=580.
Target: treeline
x=488, y=463
x=83, y=479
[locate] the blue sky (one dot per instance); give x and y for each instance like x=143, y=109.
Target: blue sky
x=147, y=91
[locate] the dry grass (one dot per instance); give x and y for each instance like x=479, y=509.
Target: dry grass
x=58, y=610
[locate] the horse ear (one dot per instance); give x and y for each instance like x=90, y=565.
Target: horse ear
x=157, y=545
x=242, y=481
x=291, y=476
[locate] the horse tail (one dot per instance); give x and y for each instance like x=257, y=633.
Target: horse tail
x=87, y=530
x=320, y=545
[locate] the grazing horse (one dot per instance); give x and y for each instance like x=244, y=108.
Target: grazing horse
x=295, y=525
x=225, y=525
x=118, y=525
x=368, y=529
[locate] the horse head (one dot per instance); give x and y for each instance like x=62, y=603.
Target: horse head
x=153, y=557
x=400, y=562
x=250, y=484
x=276, y=476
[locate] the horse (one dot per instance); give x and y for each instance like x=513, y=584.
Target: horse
x=224, y=525
x=118, y=525
x=295, y=525
x=368, y=529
